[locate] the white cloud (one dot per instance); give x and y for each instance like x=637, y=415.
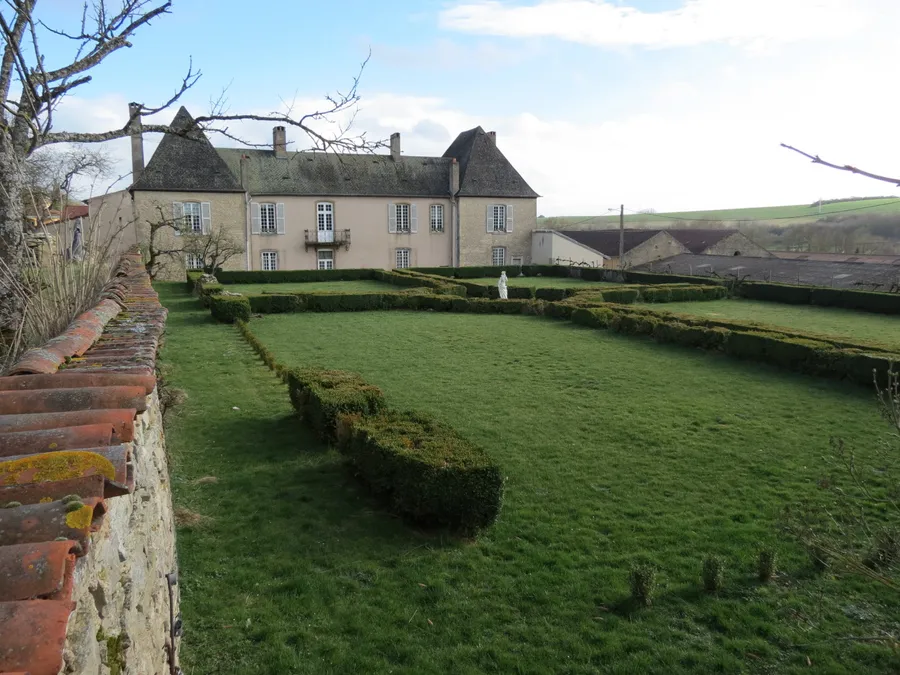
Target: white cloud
x=749, y=23
x=694, y=145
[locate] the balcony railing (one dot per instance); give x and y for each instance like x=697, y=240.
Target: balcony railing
x=327, y=238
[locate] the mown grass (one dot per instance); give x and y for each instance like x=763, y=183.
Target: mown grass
x=616, y=450
x=313, y=286
x=842, y=323
x=541, y=282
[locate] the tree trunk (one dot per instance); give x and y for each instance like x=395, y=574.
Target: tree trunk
x=12, y=240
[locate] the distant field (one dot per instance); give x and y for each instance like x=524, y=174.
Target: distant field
x=792, y=215
x=542, y=282
x=312, y=286
x=839, y=323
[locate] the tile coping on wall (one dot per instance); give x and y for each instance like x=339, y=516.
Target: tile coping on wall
x=67, y=414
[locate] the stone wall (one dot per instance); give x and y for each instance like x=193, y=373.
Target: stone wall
x=87, y=535
x=662, y=245
x=227, y=209
x=737, y=244
x=476, y=242
x=121, y=621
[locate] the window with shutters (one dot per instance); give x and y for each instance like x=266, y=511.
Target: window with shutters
x=498, y=217
x=402, y=217
x=192, y=218
x=269, y=261
x=267, y=218
x=437, y=217
x=498, y=256
x=193, y=261
x=325, y=259
x=402, y=258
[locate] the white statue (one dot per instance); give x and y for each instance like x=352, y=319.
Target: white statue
x=501, y=285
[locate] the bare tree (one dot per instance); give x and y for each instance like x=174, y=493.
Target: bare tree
x=31, y=89
x=843, y=167
x=170, y=242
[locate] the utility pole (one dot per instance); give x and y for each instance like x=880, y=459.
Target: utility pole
x=622, y=237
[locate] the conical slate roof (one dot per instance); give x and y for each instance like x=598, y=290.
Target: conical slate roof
x=186, y=161
x=483, y=170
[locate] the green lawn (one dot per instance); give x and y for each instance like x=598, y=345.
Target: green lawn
x=542, y=282
x=313, y=286
x=842, y=323
x=616, y=450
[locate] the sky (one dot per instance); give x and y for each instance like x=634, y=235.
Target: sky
x=662, y=104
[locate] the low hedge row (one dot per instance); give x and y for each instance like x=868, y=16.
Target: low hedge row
x=424, y=469
x=192, y=277
x=229, y=308
x=321, y=396
x=412, y=279
x=867, y=301
x=206, y=289
x=291, y=276
x=477, y=272
x=804, y=354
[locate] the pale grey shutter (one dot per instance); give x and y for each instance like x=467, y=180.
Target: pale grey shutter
x=279, y=218
x=413, y=219
x=392, y=218
x=255, y=227
x=205, y=217
x=178, y=216
x=509, y=217
x=489, y=219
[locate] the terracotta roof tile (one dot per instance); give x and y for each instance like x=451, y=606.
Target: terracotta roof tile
x=37, y=570
x=32, y=523
x=76, y=398
x=33, y=635
x=67, y=417
x=95, y=485
x=48, y=440
x=68, y=380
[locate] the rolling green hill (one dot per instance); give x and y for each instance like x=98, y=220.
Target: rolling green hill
x=784, y=215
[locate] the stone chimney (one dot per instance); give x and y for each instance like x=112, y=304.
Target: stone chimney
x=279, y=141
x=493, y=136
x=454, y=177
x=395, y=146
x=137, y=141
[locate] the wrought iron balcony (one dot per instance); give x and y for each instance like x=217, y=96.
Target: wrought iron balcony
x=327, y=238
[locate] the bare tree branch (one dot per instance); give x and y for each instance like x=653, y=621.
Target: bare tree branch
x=846, y=167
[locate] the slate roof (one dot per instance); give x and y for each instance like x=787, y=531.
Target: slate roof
x=839, y=257
x=332, y=174
x=67, y=428
x=186, y=161
x=607, y=241
x=483, y=170
x=858, y=275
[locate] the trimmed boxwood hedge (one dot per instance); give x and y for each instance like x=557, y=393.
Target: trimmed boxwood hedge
x=229, y=308
x=291, y=276
x=192, y=276
x=867, y=301
x=276, y=303
x=477, y=272
x=807, y=354
x=320, y=396
x=423, y=469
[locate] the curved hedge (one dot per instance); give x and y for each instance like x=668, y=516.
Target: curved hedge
x=229, y=308
x=424, y=469
x=320, y=396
